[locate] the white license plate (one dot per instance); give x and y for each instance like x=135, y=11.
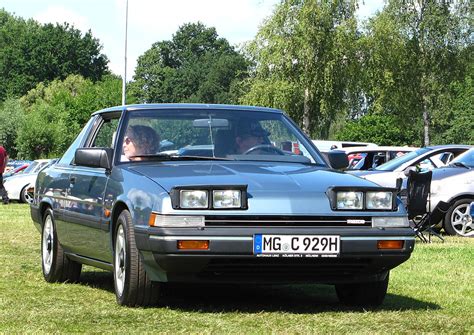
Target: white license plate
x=296, y=244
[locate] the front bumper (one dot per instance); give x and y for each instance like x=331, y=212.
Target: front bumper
x=230, y=257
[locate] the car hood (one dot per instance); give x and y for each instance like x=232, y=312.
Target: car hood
x=259, y=176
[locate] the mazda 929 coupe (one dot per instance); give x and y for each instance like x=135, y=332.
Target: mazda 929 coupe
x=258, y=204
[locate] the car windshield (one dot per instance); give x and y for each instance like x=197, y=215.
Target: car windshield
x=214, y=134
x=397, y=162
x=31, y=167
x=466, y=159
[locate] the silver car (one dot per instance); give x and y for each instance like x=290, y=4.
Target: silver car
x=427, y=158
x=454, y=184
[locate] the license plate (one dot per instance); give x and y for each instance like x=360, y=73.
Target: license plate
x=296, y=244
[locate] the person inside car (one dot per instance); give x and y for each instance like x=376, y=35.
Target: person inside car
x=250, y=134
x=140, y=140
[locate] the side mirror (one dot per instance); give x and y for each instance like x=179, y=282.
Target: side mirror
x=338, y=159
x=94, y=157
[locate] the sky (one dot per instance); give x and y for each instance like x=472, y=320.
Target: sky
x=150, y=21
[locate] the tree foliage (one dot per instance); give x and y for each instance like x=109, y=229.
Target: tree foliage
x=31, y=53
x=195, y=66
x=11, y=119
x=378, y=128
x=306, y=62
x=55, y=113
x=411, y=56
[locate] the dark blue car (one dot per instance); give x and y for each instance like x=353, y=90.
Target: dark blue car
x=254, y=201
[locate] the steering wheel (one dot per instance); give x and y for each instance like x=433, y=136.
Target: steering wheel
x=265, y=147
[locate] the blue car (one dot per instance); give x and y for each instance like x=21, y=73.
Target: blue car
x=259, y=204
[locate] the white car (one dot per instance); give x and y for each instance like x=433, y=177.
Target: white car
x=454, y=185
x=367, y=157
x=426, y=158
x=325, y=146
x=17, y=185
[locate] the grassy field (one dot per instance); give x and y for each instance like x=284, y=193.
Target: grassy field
x=431, y=293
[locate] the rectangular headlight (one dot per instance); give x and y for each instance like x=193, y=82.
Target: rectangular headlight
x=178, y=221
x=349, y=200
x=193, y=199
x=379, y=200
x=390, y=222
x=227, y=198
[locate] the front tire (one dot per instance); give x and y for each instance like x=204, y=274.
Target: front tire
x=132, y=285
x=24, y=196
x=458, y=220
x=370, y=294
x=54, y=263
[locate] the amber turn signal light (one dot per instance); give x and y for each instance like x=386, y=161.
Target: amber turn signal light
x=193, y=245
x=389, y=244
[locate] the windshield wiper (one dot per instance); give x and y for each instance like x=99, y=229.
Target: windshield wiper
x=175, y=157
x=459, y=164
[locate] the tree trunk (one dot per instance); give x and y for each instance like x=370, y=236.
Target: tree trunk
x=306, y=110
x=426, y=125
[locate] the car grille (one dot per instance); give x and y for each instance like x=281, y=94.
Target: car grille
x=304, y=269
x=287, y=221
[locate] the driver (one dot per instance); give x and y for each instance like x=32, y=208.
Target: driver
x=250, y=134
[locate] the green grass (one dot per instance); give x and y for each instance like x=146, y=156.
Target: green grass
x=430, y=293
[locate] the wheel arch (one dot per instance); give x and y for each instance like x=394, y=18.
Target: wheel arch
x=118, y=208
x=44, y=205
x=460, y=197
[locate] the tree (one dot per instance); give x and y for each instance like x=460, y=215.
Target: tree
x=306, y=48
x=412, y=57
x=11, y=119
x=31, y=53
x=455, y=122
x=378, y=128
x=55, y=113
x=195, y=66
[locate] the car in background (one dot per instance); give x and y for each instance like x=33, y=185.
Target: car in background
x=16, y=171
x=326, y=145
x=365, y=158
x=260, y=214
x=454, y=185
x=17, y=184
x=13, y=164
x=423, y=159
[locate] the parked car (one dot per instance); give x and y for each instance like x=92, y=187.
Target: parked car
x=454, y=184
x=16, y=171
x=326, y=145
x=258, y=215
x=13, y=164
x=426, y=158
x=16, y=185
x=365, y=158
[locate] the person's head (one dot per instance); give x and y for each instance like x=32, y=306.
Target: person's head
x=140, y=140
x=248, y=135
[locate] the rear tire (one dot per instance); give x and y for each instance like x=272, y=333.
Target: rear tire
x=54, y=263
x=458, y=220
x=369, y=294
x=132, y=285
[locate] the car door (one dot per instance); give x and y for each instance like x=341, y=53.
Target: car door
x=87, y=224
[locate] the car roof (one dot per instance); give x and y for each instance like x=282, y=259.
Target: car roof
x=448, y=146
x=189, y=106
x=375, y=149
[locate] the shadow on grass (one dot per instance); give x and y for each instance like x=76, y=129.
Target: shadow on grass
x=211, y=298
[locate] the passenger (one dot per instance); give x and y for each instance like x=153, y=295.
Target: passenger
x=140, y=140
x=250, y=134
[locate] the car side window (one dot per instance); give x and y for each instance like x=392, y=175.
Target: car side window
x=105, y=135
x=69, y=154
